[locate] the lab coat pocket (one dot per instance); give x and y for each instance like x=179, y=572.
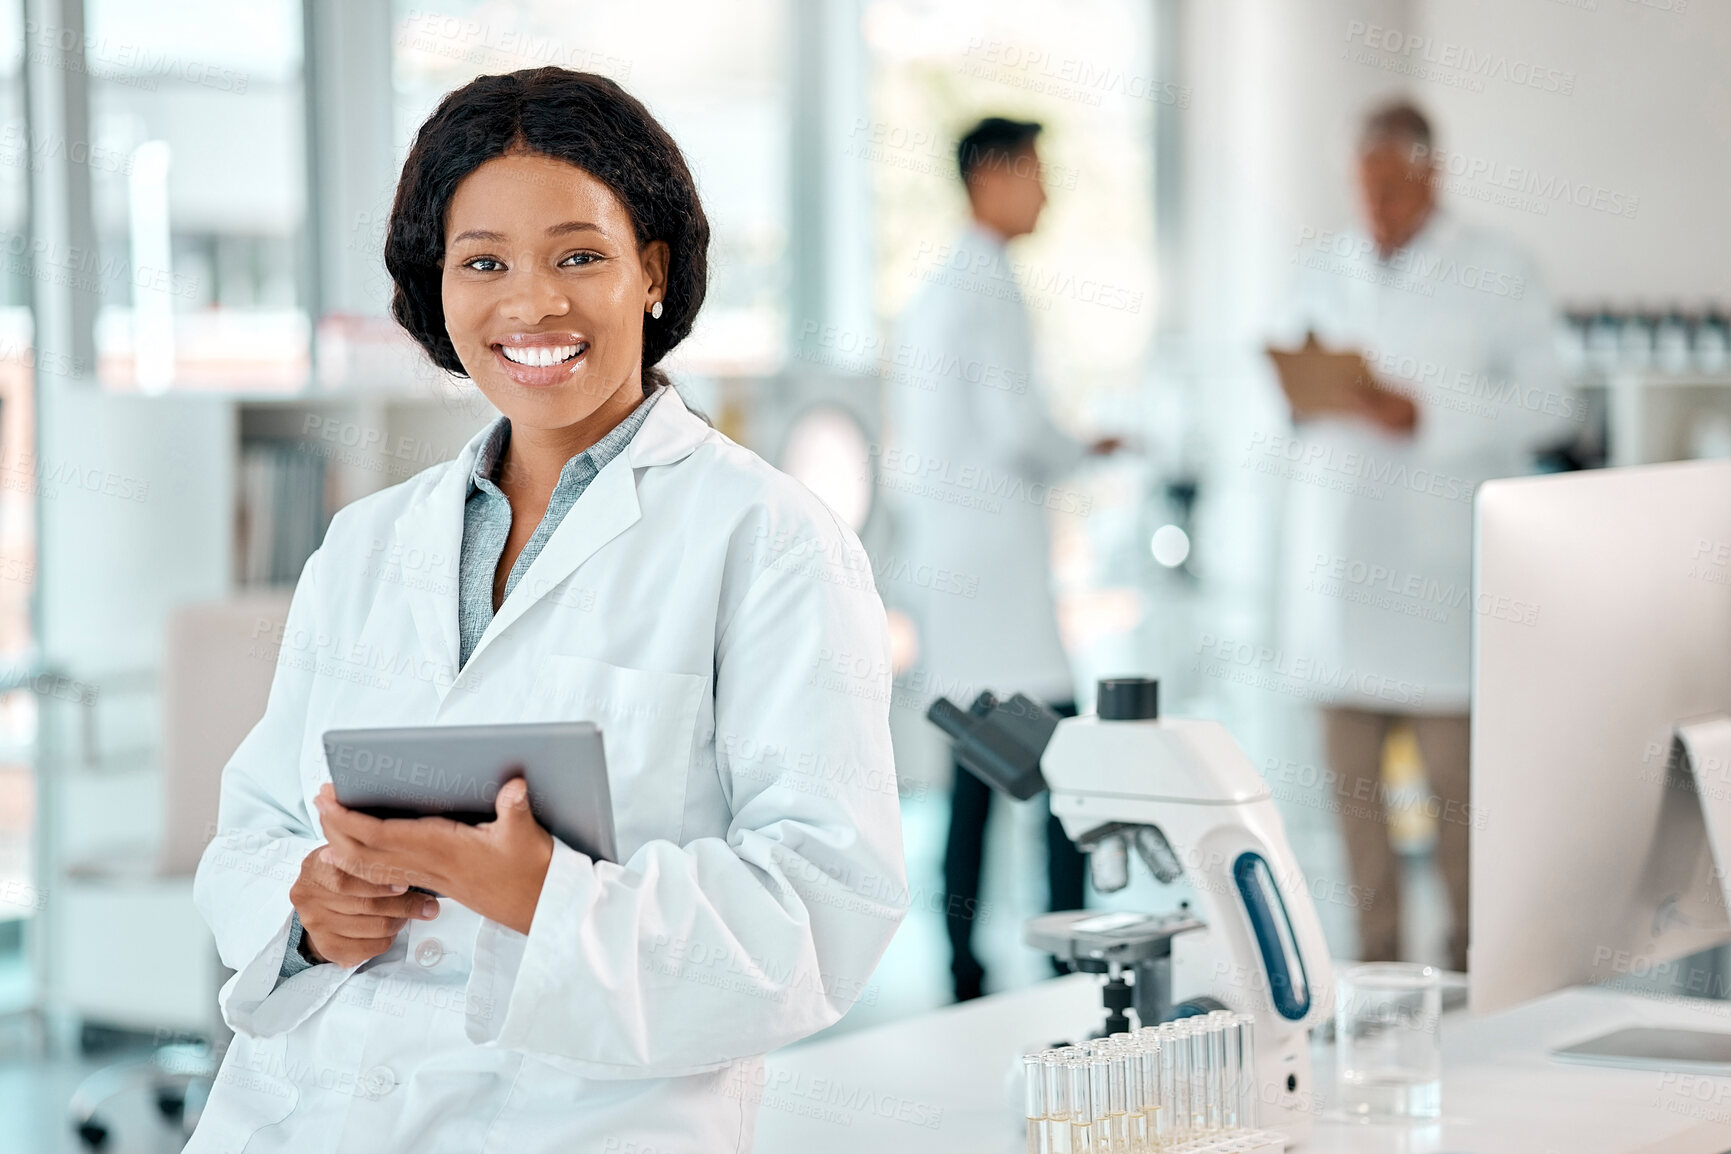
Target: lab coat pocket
x=648, y=721
x=254, y=1089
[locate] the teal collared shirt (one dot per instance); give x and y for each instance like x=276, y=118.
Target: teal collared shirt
x=486, y=525
x=487, y=519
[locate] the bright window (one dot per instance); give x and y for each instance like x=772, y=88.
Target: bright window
x=198, y=183
x=18, y=894
x=1083, y=71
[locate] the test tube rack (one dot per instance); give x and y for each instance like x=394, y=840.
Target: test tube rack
x=1182, y=1087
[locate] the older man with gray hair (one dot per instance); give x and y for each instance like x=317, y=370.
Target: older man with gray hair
x=1457, y=385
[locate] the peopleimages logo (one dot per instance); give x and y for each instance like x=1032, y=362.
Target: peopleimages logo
x=1307, y=678
x=901, y=362
x=1348, y=471
x=1409, y=594
x=1349, y=254
x=1448, y=62
x=1069, y=77
x=1528, y=181
x=991, y=275
x=1470, y=390
x=970, y=485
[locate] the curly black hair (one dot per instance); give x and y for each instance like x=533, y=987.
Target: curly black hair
x=580, y=118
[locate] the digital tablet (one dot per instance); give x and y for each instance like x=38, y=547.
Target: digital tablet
x=456, y=771
x=1696, y=1052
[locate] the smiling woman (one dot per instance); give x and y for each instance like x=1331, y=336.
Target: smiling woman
x=547, y=242
x=631, y=200
x=528, y=243
x=526, y=311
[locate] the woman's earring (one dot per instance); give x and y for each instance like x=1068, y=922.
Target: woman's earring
x=655, y=310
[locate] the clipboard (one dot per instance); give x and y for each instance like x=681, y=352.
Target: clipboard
x=1318, y=380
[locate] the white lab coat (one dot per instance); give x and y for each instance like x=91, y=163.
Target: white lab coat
x=974, y=469
x=720, y=624
x=1379, y=605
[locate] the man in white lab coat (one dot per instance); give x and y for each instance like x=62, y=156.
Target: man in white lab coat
x=1456, y=331
x=974, y=470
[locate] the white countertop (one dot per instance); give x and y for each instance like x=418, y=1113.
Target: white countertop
x=937, y=1082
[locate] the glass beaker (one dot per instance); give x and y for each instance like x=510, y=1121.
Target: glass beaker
x=1388, y=1056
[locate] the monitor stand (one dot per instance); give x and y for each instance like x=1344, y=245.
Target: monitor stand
x=1705, y=745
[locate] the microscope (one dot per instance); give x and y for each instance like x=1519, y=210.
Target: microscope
x=1189, y=802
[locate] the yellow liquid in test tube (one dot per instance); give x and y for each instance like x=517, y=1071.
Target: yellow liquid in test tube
x=1111, y=1134
x=1122, y=1128
x=1148, y=1130
x=1035, y=1108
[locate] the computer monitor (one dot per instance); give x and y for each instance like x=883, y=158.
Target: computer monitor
x=1602, y=622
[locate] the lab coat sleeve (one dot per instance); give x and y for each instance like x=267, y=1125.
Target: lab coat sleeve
x=685, y=959
x=263, y=832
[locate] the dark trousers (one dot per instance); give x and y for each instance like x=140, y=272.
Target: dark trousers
x=970, y=806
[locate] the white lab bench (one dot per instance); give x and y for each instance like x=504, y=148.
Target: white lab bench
x=937, y=1082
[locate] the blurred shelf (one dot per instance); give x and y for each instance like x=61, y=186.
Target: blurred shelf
x=1654, y=379
x=312, y=394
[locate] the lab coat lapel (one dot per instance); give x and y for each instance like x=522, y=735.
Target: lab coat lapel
x=606, y=509
x=429, y=552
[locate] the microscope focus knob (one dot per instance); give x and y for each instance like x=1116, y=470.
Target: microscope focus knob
x=1128, y=699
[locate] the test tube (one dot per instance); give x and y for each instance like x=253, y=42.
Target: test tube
x=1121, y=1091
x=1057, y=1078
x=1081, y=1105
x=1249, y=1085
x=1218, y=1023
x=1121, y=1075
x=1147, y=1097
x=1100, y=1091
x=1175, y=1079
x=1232, y=1074
x=1198, y=1077
x=1034, y=1103
x=1202, y=1070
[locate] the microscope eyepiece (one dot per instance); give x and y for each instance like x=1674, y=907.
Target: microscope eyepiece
x=1127, y=699
x=999, y=742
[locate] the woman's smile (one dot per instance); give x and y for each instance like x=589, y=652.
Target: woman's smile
x=539, y=360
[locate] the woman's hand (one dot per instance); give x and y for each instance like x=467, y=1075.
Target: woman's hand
x=495, y=868
x=347, y=920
